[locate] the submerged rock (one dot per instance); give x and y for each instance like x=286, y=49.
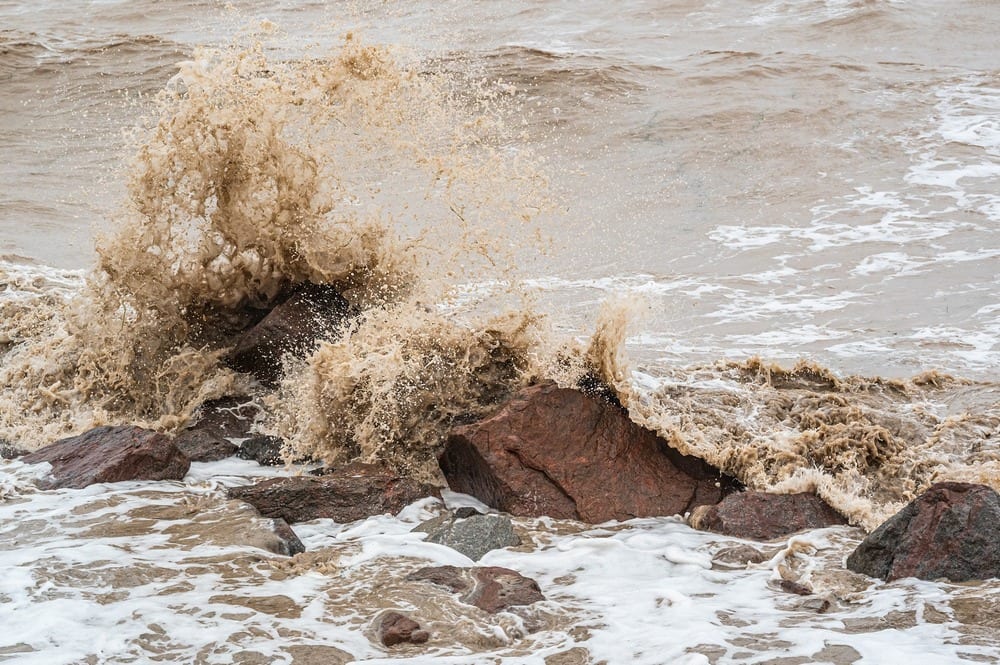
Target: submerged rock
x=950, y=531
x=473, y=536
x=395, y=628
x=288, y=542
x=557, y=452
x=763, y=516
x=263, y=449
x=292, y=326
x=491, y=589
x=345, y=495
x=109, y=455
x=202, y=445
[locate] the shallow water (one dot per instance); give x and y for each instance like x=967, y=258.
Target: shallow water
x=807, y=182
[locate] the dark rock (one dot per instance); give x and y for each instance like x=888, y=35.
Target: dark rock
x=491, y=589
x=311, y=312
x=557, y=452
x=465, y=511
x=763, y=516
x=201, y=445
x=263, y=449
x=473, y=536
x=227, y=417
x=355, y=493
x=395, y=628
x=9, y=451
x=288, y=543
x=109, y=455
x=950, y=531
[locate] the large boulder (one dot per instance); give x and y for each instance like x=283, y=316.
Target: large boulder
x=950, y=531
x=491, y=589
x=293, y=326
x=763, y=516
x=109, y=455
x=558, y=452
x=352, y=493
x=473, y=536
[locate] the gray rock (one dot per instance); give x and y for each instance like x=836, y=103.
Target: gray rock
x=473, y=536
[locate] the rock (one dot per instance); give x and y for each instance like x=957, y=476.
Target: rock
x=395, y=628
x=950, y=531
x=292, y=326
x=227, y=417
x=788, y=586
x=491, y=589
x=466, y=511
x=763, y=516
x=557, y=452
x=109, y=455
x=9, y=451
x=473, y=536
x=288, y=543
x=263, y=449
x=202, y=445
x=354, y=493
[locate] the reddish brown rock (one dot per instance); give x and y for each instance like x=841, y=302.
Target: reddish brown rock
x=293, y=326
x=557, y=452
x=491, y=589
x=950, y=531
x=395, y=628
x=202, y=445
x=353, y=493
x=109, y=455
x=763, y=516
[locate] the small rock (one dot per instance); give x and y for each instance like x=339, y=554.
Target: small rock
x=558, y=452
x=395, y=628
x=9, y=451
x=357, y=492
x=473, y=536
x=109, y=455
x=739, y=556
x=764, y=516
x=293, y=326
x=788, y=586
x=466, y=511
x=951, y=531
x=202, y=445
x=263, y=449
x=491, y=589
x=289, y=543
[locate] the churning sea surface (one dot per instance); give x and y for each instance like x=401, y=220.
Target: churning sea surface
x=757, y=183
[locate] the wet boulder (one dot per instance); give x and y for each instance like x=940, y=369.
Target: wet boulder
x=263, y=449
x=293, y=326
x=109, y=455
x=473, y=535
x=288, y=542
x=491, y=589
x=203, y=445
x=951, y=531
x=227, y=417
x=763, y=516
x=395, y=628
x=345, y=495
x=559, y=452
